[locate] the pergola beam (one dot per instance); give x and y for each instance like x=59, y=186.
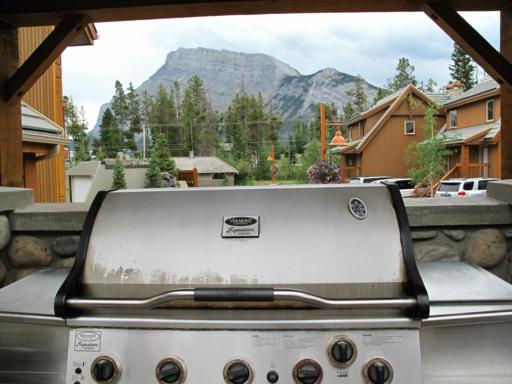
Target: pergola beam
x=48, y=51
x=471, y=41
x=37, y=12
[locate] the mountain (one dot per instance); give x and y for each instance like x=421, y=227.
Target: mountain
x=291, y=94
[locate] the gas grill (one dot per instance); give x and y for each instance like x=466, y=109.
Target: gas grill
x=302, y=284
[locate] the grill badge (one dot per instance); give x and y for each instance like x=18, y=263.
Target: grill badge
x=240, y=226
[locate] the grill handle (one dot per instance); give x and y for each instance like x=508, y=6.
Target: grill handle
x=234, y=294
x=242, y=294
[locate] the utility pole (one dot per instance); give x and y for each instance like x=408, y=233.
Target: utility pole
x=322, y=131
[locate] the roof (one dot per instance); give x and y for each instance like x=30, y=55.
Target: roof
x=204, y=164
x=391, y=103
x=85, y=168
x=440, y=98
x=476, y=133
x=37, y=128
x=486, y=85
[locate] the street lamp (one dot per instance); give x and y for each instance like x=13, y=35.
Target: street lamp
x=338, y=141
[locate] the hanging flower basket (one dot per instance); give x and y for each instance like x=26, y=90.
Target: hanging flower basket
x=324, y=172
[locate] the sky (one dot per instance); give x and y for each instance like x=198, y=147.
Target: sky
x=365, y=44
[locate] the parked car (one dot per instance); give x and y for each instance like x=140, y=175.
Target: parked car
x=367, y=179
x=406, y=185
x=463, y=187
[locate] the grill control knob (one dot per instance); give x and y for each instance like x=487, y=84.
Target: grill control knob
x=170, y=371
x=104, y=370
x=342, y=351
x=307, y=371
x=238, y=372
x=378, y=371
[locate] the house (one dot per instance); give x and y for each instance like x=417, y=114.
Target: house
x=472, y=131
x=44, y=151
x=87, y=178
x=378, y=138
x=211, y=170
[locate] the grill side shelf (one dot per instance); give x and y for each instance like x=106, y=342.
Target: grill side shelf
x=72, y=286
x=415, y=286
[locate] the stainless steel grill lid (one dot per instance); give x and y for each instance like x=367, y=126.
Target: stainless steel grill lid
x=240, y=244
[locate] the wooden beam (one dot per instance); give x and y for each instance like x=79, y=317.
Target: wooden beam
x=11, y=153
x=37, y=12
x=506, y=98
x=470, y=40
x=44, y=55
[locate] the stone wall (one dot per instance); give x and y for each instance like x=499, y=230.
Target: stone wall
x=24, y=253
x=488, y=247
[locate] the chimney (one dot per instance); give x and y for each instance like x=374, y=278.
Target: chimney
x=454, y=88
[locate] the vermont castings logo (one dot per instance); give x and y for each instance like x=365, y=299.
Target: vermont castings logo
x=240, y=226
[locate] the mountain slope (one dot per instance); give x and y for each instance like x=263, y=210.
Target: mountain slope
x=291, y=94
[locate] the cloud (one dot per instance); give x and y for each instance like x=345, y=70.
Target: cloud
x=366, y=44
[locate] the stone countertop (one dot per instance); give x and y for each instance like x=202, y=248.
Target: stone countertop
x=427, y=212
x=12, y=198
x=66, y=217
x=457, y=211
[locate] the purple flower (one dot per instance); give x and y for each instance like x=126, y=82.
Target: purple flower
x=324, y=172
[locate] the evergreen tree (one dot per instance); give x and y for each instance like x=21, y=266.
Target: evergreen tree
x=359, y=100
x=348, y=111
x=199, y=120
x=381, y=93
x=134, y=118
x=100, y=155
x=430, y=87
x=298, y=138
x=403, y=77
x=110, y=135
x=462, y=68
x=162, y=154
x=76, y=127
x=119, y=106
x=153, y=179
x=119, y=179
x=263, y=166
x=162, y=115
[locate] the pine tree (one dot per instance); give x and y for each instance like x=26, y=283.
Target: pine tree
x=403, y=77
x=153, y=179
x=119, y=179
x=110, y=135
x=119, y=106
x=430, y=87
x=381, y=93
x=348, y=111
x=263, y=166
x=199, y=120
x=162, y=154
x=134, y=118
x=462, y=68
x=359, y=100
x=76, y=127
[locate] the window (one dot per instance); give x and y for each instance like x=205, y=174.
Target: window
x=361, y=128
x=453, y=118
x=469, y=186
x=409, y=128
x=482, y=184
x=490, y=110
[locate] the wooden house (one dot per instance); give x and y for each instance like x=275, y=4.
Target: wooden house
x=472, y=131
x=378, y=138
x=44, y=151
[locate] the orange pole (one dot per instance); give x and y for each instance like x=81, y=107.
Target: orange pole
x=322, y=131
x=273, y=164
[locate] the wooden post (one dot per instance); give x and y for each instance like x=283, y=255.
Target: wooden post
x=322, y=131
x=11, y=150
x=506, y=98
x=464, y=161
